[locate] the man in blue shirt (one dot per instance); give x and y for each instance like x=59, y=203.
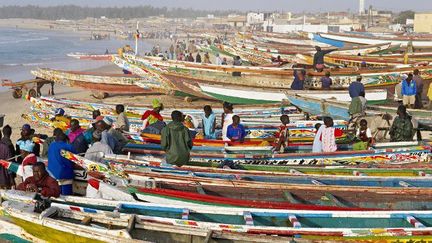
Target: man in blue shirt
x=58, y=166
x=355, y=88
x=409, y=91
x=236, y=131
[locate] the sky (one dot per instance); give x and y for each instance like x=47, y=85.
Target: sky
x=245, y=5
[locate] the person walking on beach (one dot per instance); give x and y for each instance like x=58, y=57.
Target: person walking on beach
x=209, y=123
x=227, y=120
x=326, y=81
x=318, y=60
x=402, y=127
x=176, y=140
x=409, y=91
x=122, y=122
x=419, y=83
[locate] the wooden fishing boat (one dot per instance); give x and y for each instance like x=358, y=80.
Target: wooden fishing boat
x=339, y=109
x=13, y=233
x=54, y=230
x=393, y=154
x=415, y=41
x=239, y=95
x=238, y=223
x=91, y=56
x=113, y=83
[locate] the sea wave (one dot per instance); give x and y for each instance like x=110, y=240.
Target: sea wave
x=25, y=40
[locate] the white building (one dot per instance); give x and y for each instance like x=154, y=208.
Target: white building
x=254, y=18
x=361, y=7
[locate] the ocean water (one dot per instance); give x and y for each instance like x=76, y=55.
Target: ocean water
x=22, y=50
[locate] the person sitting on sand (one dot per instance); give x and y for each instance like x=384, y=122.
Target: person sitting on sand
x=282, y=134
x=176, y=140
x=236, y=131
x=41, y=182
x=402, y=127
x=364, y=135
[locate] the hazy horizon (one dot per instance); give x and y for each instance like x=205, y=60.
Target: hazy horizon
x=243, y=5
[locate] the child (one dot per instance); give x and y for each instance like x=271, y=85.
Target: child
x=282, y=134
x=176, y=140
x=227, y=119
x=317, y=144
x=364, y=135
x=209, y=123
x=328, y=136
x=236, y=131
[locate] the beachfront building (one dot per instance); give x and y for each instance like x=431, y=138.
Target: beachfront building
x=423, y=22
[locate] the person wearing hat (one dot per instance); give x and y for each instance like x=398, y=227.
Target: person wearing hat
x=29, y=158
x=60, y=120
x=26, y=134
x=59, y=167
x=98, y=149
x=152, y=116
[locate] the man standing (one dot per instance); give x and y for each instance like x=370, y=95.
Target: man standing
x=60, y=167
x=419, y=83
x=356, y=87
x=318, y=60
x=176, y=140
x=409, y=91
x=5, y=177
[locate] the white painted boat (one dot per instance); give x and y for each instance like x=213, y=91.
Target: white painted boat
x=416, y=42
x=240, y=95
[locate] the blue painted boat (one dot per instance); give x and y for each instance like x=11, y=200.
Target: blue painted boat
x=335, y=43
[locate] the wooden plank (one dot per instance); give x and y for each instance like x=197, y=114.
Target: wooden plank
x=335, y=200
x=291, y=198
x=131, y=223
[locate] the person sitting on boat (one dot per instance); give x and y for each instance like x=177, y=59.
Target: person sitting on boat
x=59, y=167
x=190, y=58
x=402, y=127
x=419, y=82
x=111, y=136
x=317, y=144
x=429, y=95
x=209, y=123
x=299, y=79
x=176, y=140
x=282, y=134
x=356, y=87
x=318, y=60
x=48, y=141
x=76, y=137
x=98, y=149
x=29, y=158
x=364, y=135
x=326, y=81
x=237, y=62
x=236, y=131
x=227, y=119
x=224, y=61
x=409, y=91
x=152, y=119
x=122, y=122
x=328, y=135
x=40, y=182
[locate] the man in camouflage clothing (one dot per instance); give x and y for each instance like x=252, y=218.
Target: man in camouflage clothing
x=402, y=127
